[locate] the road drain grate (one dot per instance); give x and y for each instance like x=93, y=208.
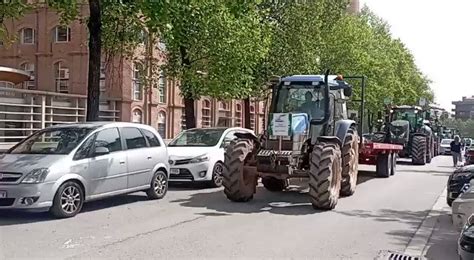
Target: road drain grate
x=388, y=255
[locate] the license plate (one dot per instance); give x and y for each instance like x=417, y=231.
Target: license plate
x=3, y=194
x=174, y=171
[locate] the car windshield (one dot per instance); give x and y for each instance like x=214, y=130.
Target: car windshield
x=301, y=99
x=52, y=141
x=446, y=141
x=198, y=137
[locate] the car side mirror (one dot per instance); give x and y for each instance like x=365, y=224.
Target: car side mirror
x=348, y=92
x=225, y=144
x=101, y=151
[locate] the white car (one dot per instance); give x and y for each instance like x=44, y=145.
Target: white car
x=197, y=155
x=445, y=146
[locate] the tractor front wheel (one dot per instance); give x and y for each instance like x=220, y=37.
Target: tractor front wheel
x=418, y=150
x=239, y=182
x=325, y=176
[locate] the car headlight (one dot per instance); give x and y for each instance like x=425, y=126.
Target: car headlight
x=199, y=159
x=36, y=176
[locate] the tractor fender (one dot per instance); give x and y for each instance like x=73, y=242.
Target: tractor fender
x=342, y=126
x=250, y=136
x=330, y=139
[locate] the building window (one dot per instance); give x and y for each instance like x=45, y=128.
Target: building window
x=6, y=84
x=183, y=119
x=62, y=34
x=252, y=117
x=102, y=77
x=224, y=105
x=137, y=89
x=206, y=113
x=61, y=74
x=161, y=45
x=137, y=116
x=238, y=115
x=27, y=36
x=30, y=69
x=162, y=124
x=162, y=87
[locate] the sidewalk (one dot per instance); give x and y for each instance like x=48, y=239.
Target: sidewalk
x=442, y=244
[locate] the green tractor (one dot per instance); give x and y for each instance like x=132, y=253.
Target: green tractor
x=309, y=136
x=407, y=126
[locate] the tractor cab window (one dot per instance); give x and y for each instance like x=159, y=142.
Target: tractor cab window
x=301, y=99
x=407, y=115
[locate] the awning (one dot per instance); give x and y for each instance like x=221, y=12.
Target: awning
x=14, y=76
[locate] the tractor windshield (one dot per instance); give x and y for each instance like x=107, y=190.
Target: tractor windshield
x=301, y=99
x=408, y=115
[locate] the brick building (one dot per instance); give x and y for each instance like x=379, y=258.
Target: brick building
x=57, y=58
x=464, y=109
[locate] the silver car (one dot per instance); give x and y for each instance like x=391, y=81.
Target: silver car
x=61, y=167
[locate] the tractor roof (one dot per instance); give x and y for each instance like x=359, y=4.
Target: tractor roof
x=316, y=79
x=407, y=107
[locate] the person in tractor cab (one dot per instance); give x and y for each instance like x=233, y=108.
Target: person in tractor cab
x=311, y=107
x=456, y=150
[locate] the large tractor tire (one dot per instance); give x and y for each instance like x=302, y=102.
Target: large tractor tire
x=325, y=176
x=350, y=163
x=239, y=183
x=430, y=149
x=418, y=150
x=274, y=184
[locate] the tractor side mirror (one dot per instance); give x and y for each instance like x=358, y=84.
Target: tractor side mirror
x=348, y=92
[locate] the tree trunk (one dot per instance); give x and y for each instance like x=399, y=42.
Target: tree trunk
x=188, y=99
x=189, y=113
x=95, y=53
x=247, y=113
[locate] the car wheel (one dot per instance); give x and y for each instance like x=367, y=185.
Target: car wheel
x=158, y=187
x=217, y=175
x=68, y=200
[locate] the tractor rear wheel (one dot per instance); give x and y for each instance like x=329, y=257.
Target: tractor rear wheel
x=325, y=176
x=418, y=150
x=350, y=163
x=238, y=181
x=274, y=184
x=430, y=149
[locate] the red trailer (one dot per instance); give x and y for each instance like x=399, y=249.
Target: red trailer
x=383, y=155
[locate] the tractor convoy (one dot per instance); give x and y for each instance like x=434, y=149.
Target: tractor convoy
x=311, y=137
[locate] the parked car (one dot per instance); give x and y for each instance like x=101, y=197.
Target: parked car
x=457, y=181
x=445, y=146
x=61, y=167
x=197, y=155
x=466, y=241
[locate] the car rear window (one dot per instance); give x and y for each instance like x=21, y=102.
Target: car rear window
x=151, y=137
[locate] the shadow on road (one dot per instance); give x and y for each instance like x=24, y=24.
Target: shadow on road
x=294, y=201
x=401, y=237
x=439, y=172
x=18, y=217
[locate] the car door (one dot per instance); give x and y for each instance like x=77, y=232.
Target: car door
x=139, y=155
x=107, y=172
x=156, y=153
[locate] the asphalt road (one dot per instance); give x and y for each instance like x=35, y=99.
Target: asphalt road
x=383, y=214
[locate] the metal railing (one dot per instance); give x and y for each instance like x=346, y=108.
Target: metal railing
x=24, y=111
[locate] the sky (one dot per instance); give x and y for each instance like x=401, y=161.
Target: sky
x=440, y=34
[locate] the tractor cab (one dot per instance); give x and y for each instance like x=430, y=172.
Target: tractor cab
x=311, y=104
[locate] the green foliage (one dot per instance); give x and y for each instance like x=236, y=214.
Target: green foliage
x=466, y=128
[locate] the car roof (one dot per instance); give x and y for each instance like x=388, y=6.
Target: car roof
x=98, y=124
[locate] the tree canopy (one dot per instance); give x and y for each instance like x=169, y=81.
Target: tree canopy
x=229, y=48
